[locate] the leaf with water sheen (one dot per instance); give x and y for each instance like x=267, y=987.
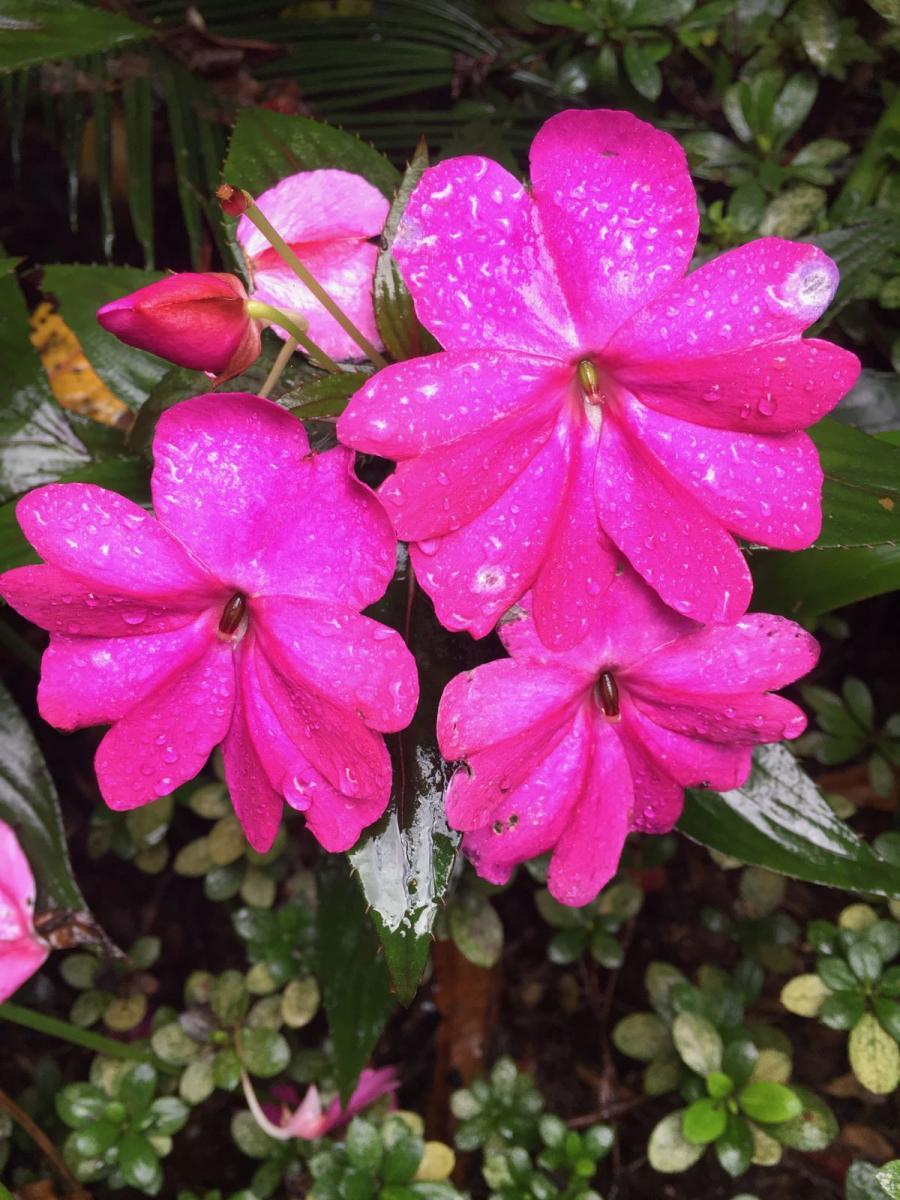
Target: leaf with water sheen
x=779, y=820
x=36, y=31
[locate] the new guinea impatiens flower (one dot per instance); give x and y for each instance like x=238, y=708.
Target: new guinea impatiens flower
x=328, y=218
x=593, y=400
x=309, y=1120
x=196, y=320
x=22, y=950
x=570, y=750
x=231, y=617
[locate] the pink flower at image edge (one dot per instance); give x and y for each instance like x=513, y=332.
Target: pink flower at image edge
x=328, y=218
x=593, y=400
x=22, y=950
x=233, y=616
x=309, y=1121
x=569, y=751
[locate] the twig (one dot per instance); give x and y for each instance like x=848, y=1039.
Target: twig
x=40, y=1139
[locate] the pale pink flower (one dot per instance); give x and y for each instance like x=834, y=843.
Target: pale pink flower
x=309, y=1120
x=328, y=218
x=232, y=617
x=594, y=400
x=570, y=750
x=22, y=950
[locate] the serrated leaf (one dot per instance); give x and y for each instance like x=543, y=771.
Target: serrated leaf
x=779, y=820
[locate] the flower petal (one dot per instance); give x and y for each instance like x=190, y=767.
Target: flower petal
x=316, y=206
x=760, y=652
x=722, y=347
x=356, y=662
x=529, y=820
x=587, y=854
x=20, y=958
x=257, y=802
x=63, y=603
x=17, y=887
x=109, y=541
x=658, y=797
x=738, y=718
x=167, y=737
x=766, y=489
x=581, y=561
x=471, y=252
x=412, y=407
x=476, y=573
x=235, y=480
x=670, y=539
x=618, y=211
x=96, y=680
x=690, y=762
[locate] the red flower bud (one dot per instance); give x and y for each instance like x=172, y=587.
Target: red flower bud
x=194, y=320
x=234, y=201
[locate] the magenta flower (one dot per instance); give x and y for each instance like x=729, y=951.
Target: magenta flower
x=309, y=1121
x=233, y=617
x=571, y=750
x=327, y=218
x=22, y=951
x=593, y=399
x=195, y=320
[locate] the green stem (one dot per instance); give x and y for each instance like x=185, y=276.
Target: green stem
x=864, y=180
x=278, y=366
x=278, y=243
x=266, y=312
x=20, y=1015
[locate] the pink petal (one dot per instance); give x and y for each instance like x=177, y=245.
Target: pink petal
x=588, y=852
x=17, y=889
x=257, y=801
x=670, y=539
x=618, y=211
x=476, y=573
x=357, y=663
x=737, y=718
x=413, y=407
x=722, y=347
x=581, y=561
x=766, y=489
x=530, y=819
x=658, y=796
x=346, y=270
x=65, y=604
x=759, y=653
x=690, y=762
x=20, y=958
x=338, y=745
x=110, y=542
x=316, y=206
x=307, y=1121
x=96, y=680
x=167, y=737
x=372, y=1086
x=471, y=251
x=235, y=480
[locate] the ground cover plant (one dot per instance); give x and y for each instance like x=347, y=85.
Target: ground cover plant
x=449, y=540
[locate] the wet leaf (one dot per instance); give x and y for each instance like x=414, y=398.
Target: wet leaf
x=813, y=1129
x=36, y=31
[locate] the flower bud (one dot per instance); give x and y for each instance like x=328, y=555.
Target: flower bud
x=234, y=201
x=194, y=320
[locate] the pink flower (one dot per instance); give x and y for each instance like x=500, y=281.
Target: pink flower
x=571, y=750
x=327, y=217
x=593, y=399
x=309, y=1121
x=22, y=951
x=232, y=617
x=195, y=320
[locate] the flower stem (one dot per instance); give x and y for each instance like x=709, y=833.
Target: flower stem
x=20, y=1015
x=274, y=1131
x=266, y=312
x=278, y=366
x=278, y=243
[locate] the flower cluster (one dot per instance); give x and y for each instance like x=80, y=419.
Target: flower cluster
x=600, y=426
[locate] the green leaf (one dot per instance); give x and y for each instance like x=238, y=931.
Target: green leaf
x=28, y=803
x=642, y=1036
x=80, y=1104
x=842, y=1010
x=769, y=1102
x=668, y=1150
x=267, y=146
x=861, y=1183
x=139, y=1163
x=698, y=1042
x=719, y=1085
x=475, y=928
x=734, y=1149
x=703, y=1121
x=889, y=1178
x=130, y=374
x=779, y=820
x=324, y=397
x=809, y=583
x=865, y=962
x=813, y=1129
x=739, y=1059
x=888, y=1014
x=137, y=97
x=642, y=71
x=874, y=1056
x=352, y=975
x=96, y=1138
x=36, y=31
x=138, y=1088
x=263, y=1052
x=861, y=494
x=37, y=444
x=794, y=104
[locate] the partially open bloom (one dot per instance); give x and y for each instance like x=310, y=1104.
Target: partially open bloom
x=571, y=750
x=22, y=950
x=328, y=218
x=309, y=1120
x=594, y=401
x=232, y=617
x=196, y=320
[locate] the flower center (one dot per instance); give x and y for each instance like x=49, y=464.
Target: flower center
x=234, y=618
x=589, y=382
x=606, y=694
